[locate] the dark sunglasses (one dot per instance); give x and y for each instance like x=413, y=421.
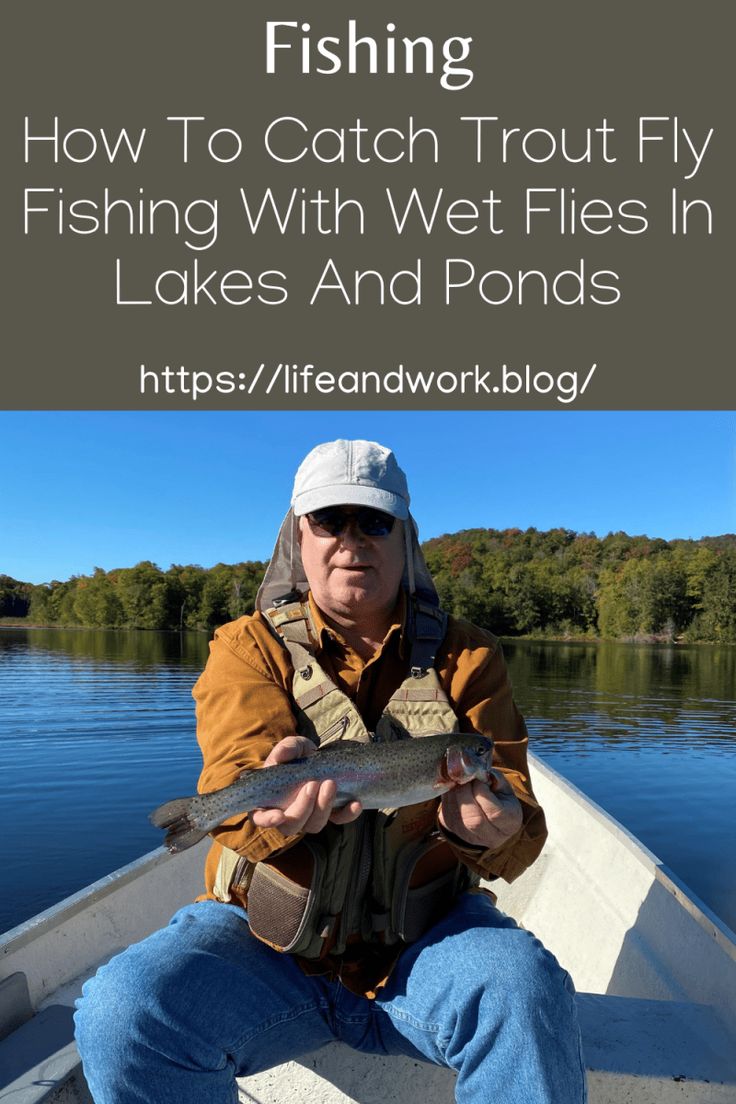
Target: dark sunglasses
x=332, y=521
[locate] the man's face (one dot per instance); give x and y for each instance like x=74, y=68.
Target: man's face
x=351, y=574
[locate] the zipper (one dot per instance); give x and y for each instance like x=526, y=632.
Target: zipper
x=336, y=731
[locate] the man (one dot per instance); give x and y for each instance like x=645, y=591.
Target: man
x=361, y=926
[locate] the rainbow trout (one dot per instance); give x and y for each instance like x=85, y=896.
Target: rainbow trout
x=380, y=776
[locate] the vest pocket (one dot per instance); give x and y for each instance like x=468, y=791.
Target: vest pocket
x=283, y=896
x=427, y=882
x=335, y=731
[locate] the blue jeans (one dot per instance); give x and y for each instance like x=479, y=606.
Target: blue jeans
x=174, y=1019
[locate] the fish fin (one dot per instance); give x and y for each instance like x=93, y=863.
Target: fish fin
x=182, y=832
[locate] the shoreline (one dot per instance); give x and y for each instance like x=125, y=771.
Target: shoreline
x=531, y=638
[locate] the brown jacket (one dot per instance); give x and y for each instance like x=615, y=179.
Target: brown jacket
x=244, y=708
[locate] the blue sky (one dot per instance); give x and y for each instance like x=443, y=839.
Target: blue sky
x=109, y=489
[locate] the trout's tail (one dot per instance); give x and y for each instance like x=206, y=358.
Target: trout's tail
x=176, y=817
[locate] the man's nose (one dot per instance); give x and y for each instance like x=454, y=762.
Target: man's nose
x=352, y=532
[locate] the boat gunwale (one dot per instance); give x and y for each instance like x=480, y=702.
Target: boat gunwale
x=28, y=930
x=712, y=924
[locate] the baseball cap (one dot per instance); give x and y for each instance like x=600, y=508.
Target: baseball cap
x=354, y=473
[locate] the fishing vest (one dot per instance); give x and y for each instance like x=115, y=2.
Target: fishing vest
x=389, y=874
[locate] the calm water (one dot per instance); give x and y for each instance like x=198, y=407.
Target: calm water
x=97, y=728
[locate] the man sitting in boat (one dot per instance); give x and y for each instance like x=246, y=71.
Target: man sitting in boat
x=362, y=926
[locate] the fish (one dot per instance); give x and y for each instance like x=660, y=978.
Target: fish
x=385, y=775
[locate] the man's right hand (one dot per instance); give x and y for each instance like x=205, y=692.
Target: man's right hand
x=312, y=807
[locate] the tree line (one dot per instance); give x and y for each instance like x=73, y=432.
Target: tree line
x=140, y=597
x=515, y=582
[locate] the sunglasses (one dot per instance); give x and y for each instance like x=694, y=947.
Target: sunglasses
x=332, y=521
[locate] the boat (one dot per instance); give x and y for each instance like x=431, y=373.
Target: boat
x=654, y=968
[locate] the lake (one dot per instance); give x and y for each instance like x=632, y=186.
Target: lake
x=97, y=728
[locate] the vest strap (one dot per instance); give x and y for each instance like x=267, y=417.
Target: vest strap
x=292, y=624
x=293, y=620
x=428, y=625
x=314, y=694
x=419, y=694
x=301, y=657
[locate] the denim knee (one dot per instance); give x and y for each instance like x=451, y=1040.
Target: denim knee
x=479, y=955
x=531, y=973
x=113, y=1009
x=483, y=996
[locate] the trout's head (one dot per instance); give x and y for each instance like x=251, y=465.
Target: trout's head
x=467, y=759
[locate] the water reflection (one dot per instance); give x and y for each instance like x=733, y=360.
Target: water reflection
x=144, y=649
x=626, y=691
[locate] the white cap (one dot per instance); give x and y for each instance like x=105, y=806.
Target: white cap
x=354, y=473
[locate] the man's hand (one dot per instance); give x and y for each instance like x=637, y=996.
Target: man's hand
x=483, y=814
x=312, y=807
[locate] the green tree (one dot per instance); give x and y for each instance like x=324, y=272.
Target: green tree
x=229, y=592
x=191, y=579
x=96, y=603
x=40, y=609
x=15, y=597
x=149, y=599
x=717, y=619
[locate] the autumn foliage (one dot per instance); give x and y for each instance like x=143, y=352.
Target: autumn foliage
x=515, y=582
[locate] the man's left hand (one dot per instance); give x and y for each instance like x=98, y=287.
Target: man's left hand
x=482, y=814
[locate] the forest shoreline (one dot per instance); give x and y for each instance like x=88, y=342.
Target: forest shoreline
x=23, y=623
x=526, y=585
